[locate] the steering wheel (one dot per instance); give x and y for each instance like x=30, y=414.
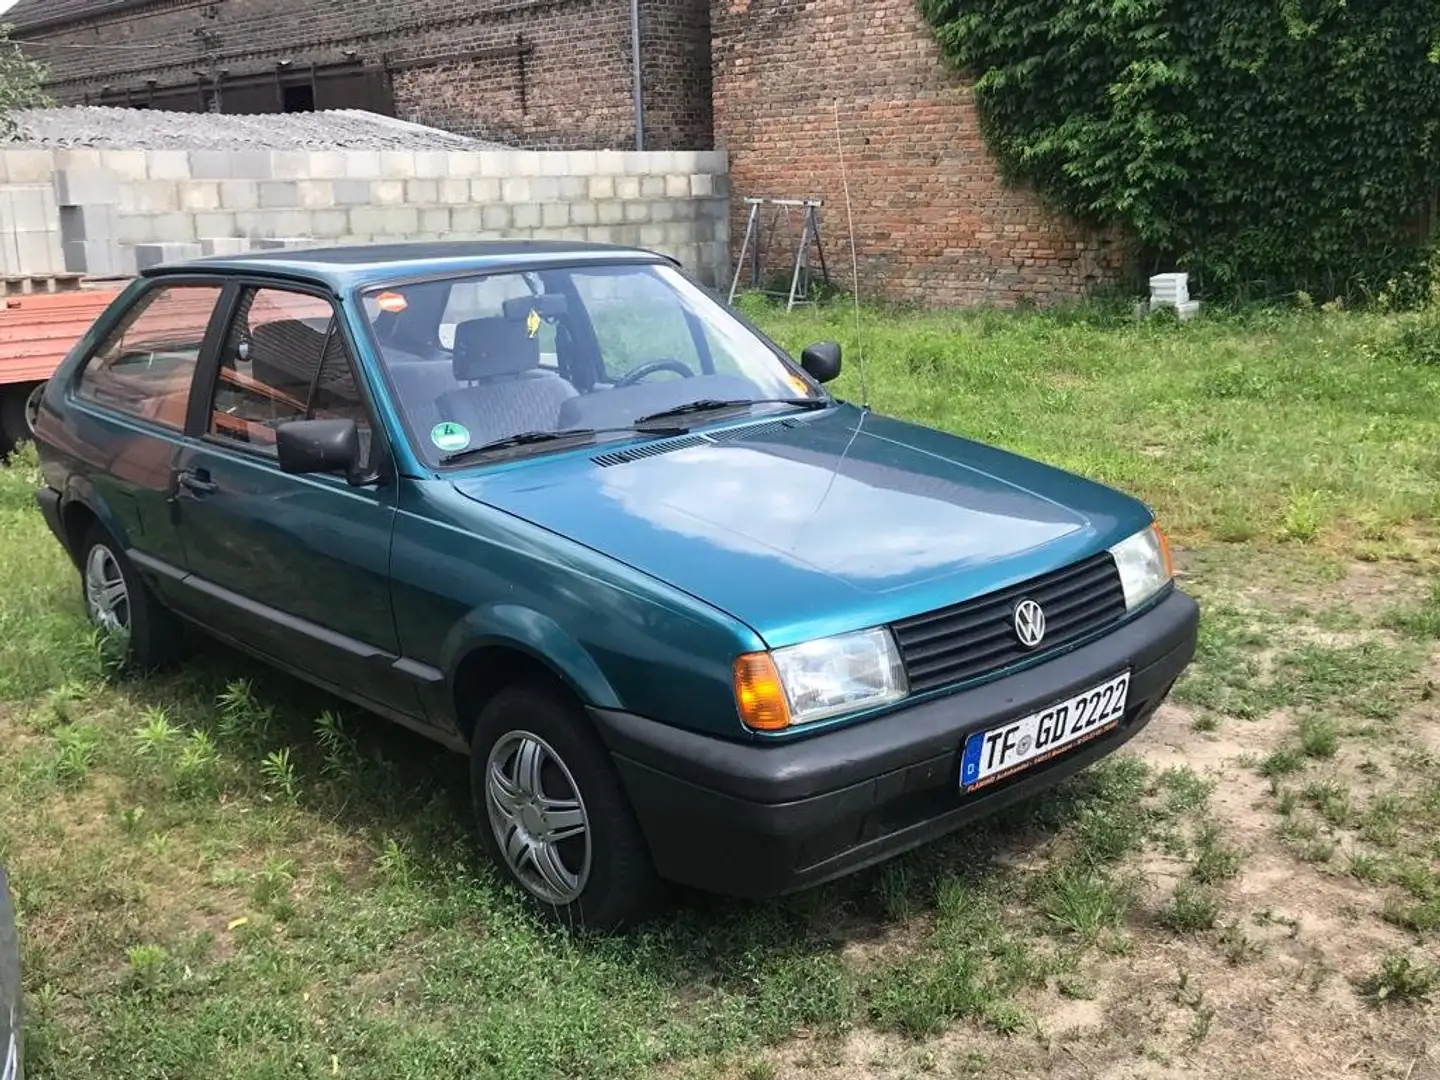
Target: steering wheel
x=646, y=370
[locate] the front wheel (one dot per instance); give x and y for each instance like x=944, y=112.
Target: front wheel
x=552, y=814
x=141, y=633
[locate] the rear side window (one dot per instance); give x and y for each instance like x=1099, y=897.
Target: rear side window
x=145, y=366
x=283, y=359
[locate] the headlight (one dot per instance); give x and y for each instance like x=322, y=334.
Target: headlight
x=818, y=679
x=1144, y=563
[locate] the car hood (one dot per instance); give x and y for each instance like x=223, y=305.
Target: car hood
x=817, y=523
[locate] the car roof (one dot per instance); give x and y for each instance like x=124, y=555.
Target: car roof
x=344, y=268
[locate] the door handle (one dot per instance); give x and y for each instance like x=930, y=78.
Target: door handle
x=198, y=481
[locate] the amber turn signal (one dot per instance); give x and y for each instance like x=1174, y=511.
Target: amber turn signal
x=1164, y=543
x=758, y=694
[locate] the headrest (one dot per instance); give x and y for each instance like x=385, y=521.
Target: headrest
x=291, y=345
x=485, y=348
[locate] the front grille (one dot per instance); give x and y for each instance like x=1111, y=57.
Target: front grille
x=971, y=640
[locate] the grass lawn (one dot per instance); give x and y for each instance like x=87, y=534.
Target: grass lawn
x=222, y=873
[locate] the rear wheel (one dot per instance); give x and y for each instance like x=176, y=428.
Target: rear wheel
x=552, y=814
x=19, y=407
x=141, y=633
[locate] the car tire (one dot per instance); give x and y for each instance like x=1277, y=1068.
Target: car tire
x=16, y=417
x=118, y=603
x=552, y=814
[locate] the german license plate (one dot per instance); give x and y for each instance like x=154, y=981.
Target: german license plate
x=1003, y=751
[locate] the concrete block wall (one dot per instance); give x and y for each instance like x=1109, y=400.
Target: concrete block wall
x=112, y=209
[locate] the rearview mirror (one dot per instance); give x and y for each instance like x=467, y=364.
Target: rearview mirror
x=318, y=446
x=821, y=361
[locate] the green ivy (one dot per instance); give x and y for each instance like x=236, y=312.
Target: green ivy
x=1266, y=146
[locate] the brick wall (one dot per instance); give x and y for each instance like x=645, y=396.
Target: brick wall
x=933, y=222
x=575, y=90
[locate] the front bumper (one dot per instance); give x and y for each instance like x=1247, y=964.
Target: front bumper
x=757, y=820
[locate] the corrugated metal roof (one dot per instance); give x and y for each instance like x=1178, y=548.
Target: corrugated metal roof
x=158, y=129
x=28, y=14
x=37, y=331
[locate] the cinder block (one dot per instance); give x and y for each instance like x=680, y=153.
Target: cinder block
x=40, y=252
x=148, y=255
x=583, y=213
x=684, y=161
x=81, y=186
x=637, y=163
x=702, y=185
x=555, y=215
x=215, y=223
x=435, y=220
x=573, y=188
x=422, y=192
x=662, y=210
x=609, y=162
x=282, y=243
x=134, y=229
x=652, y=235
x=239, y=194
x=544, y=189
x=715, y=208
x=627, y=187
x=367, y=221
x=78, y=157
x=150, y=196
x=525, y=215
x=467, y=220
x=399, y=221
x=387, y=192
x=290, y=164
x=211, y=165
x=397, y=164
x=496, y=216
x=224, y=245
x=454, y=192
x=462, y=164
x=684, y=209
x=678, y=233
x=325, y=165
x=526, y=162
x=628, y=235
x=652, y=187
x=573, y=233
x=431, y=165
x=485, y=191
x=29, y=166
x=316, y=194
x=496, y=163
x=637, y=211
x=351, y=192
x=601, y=187
x=97, y=258
x=167, y=165
x=554, y=163
x=96, y=222
x=330, y=223
x=172, y=228
x=33, y=207
x=600, y=234
x=286, y=223
x=362, y=164
x=200, y=195
x=580, y=163
x=279, y=194
x=126, y=164
x=677, y=186
x=515, y=189
x=714, y=162
x=610, y=212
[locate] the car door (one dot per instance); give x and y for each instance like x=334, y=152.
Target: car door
x=296, y=566
x=130, y=399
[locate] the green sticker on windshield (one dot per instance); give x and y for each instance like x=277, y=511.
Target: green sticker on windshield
x=450, y=436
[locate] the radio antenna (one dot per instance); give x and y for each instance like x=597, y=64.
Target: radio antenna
x=854, y=259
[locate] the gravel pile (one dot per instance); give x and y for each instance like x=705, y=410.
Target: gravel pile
x=152, y=129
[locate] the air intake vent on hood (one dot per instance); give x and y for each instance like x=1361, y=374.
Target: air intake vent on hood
x=635, y=453
x=753, y=431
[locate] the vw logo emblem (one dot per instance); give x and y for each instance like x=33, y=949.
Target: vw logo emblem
x=1029, y=623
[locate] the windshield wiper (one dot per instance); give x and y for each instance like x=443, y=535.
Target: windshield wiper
x=526, y=438
x=715, y=404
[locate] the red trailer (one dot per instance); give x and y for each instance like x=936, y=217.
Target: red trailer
x=40, y=319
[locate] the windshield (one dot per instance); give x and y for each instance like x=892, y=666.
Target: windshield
x=477, y=359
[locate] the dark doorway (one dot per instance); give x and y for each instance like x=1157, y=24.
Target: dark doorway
x=299, y=98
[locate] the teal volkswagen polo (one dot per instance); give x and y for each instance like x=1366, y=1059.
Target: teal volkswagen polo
x=692, y=618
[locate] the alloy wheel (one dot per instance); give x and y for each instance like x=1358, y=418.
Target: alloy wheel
x=106, y=595
x=538, y=817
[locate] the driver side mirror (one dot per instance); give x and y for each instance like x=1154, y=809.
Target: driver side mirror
x=319, y=446
x=821, y=361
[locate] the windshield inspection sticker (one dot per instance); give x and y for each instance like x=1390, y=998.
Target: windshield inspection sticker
x=532, y=322
x=450, y=436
